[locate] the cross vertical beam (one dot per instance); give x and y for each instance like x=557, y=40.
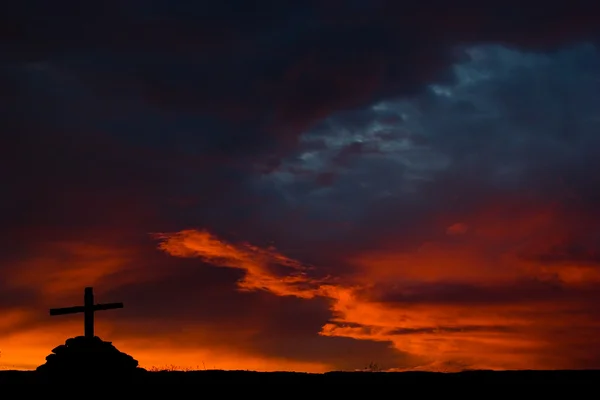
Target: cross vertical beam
x=88, y=313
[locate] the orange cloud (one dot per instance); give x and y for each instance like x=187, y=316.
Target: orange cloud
x=259, y=264
x=467, y=301
x=65, y=267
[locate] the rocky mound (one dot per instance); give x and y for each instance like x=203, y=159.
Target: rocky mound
x=88, y=357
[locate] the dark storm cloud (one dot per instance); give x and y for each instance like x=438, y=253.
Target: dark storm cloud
x=509, y=293
x=435, y=330
x=581, y=249
x=513, y=124
x=278, y=66
x=449, y=329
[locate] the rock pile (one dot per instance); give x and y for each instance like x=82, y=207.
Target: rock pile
x=88, y=357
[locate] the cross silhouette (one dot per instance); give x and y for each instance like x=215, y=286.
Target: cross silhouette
x=88, y=308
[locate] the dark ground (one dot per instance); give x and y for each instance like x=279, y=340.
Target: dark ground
x=175, y=377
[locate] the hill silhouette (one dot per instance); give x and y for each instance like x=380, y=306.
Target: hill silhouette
x=84, y=356
x=217, y=376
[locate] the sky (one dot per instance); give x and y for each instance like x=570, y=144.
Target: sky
x=306, y=186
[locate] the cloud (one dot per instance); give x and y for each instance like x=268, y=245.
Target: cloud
x=457, y=229
x=526, y=239
x=413, y=184
x=424, y=317
x=258, y=264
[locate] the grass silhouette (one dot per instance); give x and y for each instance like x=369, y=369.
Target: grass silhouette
x=172, y=375
x=370, y=374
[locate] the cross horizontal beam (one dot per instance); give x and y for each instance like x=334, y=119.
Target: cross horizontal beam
x=80, y=309
x=107, y=306
x=67, y=310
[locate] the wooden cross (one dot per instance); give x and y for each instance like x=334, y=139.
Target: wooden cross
x=88, y=308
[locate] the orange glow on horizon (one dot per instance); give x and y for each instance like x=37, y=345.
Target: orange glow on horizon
x=480, y=295
x=26, y=350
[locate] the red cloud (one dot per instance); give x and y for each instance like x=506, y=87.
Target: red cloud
x=451, y=304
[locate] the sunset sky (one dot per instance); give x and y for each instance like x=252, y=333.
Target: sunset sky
x=305, y=186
